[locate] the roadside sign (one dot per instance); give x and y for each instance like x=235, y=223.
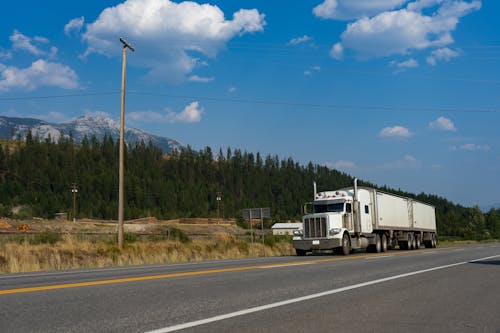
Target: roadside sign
x=257, y=213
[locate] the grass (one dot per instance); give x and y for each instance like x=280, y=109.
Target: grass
x=52, y=251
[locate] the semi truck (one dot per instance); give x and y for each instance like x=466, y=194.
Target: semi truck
x=364, y=218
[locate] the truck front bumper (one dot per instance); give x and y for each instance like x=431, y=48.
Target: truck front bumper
x=317, y=244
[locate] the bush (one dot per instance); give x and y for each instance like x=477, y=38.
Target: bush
x=46, y=237
x=130, y=238
x=174, y=233
x=271, y=240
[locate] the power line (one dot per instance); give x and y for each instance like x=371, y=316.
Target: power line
x=19, y=98
x=318, y=106
x=267, y=102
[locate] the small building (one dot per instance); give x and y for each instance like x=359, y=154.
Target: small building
x=61, y=216
x=285, y=228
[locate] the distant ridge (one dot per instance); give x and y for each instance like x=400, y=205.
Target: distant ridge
x=486, y=209
x=98, y=126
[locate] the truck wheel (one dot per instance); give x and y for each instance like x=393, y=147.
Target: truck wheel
x=378, y=244
x=413, y=242
x=383, y=243
x=433, y=241
x=417, y=242
x=300, y=253
x=346, y=244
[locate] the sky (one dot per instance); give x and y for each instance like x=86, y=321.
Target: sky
x=403, y=93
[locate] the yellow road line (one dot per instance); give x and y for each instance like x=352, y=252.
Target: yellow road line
x=185, y=274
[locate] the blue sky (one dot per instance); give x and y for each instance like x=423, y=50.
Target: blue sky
x=397, y=92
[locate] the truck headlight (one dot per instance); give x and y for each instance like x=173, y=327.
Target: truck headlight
x=297, y=232
x=335, y=231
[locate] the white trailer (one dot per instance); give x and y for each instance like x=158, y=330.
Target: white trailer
x=364, y=218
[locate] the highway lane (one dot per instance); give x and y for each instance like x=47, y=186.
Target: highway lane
x=460, y=297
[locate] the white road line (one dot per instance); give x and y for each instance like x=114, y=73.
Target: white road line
x=306, y=298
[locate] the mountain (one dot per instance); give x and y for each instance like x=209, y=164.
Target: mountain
x=98, y=126
x=486, y=209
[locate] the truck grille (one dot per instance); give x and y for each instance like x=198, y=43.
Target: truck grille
x=315, y=227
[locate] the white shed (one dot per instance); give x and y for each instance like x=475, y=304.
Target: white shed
x=285, y=228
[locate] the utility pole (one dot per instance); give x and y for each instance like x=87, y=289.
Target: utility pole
x=219, y=200
x=122, y=139
x=74, y=190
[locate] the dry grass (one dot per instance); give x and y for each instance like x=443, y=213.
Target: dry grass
x=70, y=253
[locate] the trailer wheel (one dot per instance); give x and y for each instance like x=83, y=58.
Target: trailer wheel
x=433, y=241
x=413, y=245
x=383, y=243
x=417, y=242
x=300, y=253
x=346, y=244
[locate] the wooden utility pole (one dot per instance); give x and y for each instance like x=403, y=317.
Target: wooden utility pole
x=122, y=139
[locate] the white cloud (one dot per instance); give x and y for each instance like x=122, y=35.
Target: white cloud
x=410, y=63
x=407, y=162
x=349, y=9
x=196, y=78
x=40, y=73
x=342, y=165
x=22, y=42
x=299, y=40
x=443, y=124
x=337, y=51
x=168, y=34
x=192, y=113
x=231, y=89
x=443, y=54
x=25, y=43
x=6, y=55
x=395, y=132
x=75, y=25
x=471, y=147
x=311, y=70
x=384, y=29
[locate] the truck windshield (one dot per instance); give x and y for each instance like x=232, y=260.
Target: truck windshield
x=335, y=207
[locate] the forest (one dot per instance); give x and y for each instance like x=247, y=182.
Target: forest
x=37, y=178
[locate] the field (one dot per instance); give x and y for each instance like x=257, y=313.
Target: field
x=42, y=245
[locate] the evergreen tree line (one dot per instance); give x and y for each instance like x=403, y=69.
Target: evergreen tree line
x=36, y=178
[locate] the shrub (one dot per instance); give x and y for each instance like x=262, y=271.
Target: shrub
x=46, y=237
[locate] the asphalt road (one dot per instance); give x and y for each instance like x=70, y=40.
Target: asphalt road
x=449, y=289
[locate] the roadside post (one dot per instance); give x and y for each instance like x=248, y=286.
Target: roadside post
x=257, y=213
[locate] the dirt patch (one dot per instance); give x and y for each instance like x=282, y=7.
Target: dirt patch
x=4, y=225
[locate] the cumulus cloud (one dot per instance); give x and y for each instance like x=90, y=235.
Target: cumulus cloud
x=337, y=51
x=395, y=132
x=443, y=54
x=6, y=55
x=348, y=9
x=192, y=113
x=384, y=28
x=299, y=40
x=74, y=26
x=342, y=165
x=231, y=89
x=40, y=73
x=407, y=162
x=167, y=34
x=200, y=79
x=442, y=124
x=410, y=63
x=471, y=147
x=22, y=42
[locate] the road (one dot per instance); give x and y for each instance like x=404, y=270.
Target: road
x=448, y=289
